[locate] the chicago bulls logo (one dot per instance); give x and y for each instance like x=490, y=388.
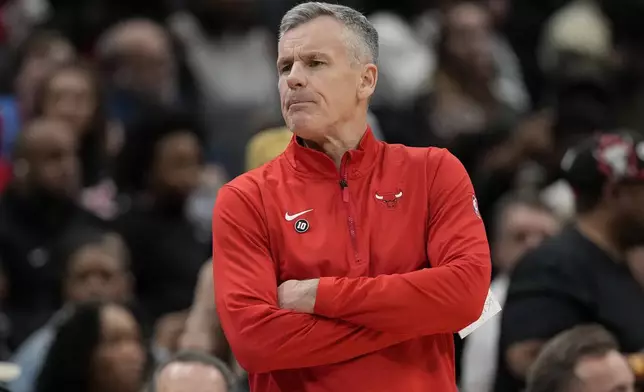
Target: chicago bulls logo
x=390, y=198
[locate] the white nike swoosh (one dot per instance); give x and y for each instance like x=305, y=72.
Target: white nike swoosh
x=291, y=217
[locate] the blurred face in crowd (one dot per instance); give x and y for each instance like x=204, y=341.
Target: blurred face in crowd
x=468, y=29
x=49, y=160
x=177, y=164
x=119, y=359
x=70, y=95
x=628, y=221
x=146, y=60
x=522, y=227
x=37, y=65
x=321, y=82
x=606, y=373
x=190, y=377
x=96, y=273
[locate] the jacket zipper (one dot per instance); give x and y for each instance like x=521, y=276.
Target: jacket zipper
x=344, y=187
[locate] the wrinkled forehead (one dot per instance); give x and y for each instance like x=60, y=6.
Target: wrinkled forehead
x=324, y=35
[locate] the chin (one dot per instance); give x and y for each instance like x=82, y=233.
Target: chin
x=305, y=127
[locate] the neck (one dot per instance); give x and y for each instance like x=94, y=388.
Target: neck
x=340, y=139
x=596, y=227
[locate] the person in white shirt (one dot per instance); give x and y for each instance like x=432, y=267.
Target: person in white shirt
x=521, y=223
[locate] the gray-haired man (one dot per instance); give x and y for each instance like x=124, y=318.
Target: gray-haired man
x=346, y=227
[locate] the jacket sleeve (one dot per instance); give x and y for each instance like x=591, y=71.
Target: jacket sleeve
x=442, y=299
x=264, y=337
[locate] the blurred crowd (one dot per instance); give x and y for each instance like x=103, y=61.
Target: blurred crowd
x=120, y=121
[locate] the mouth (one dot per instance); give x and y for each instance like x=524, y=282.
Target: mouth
x=297, y=103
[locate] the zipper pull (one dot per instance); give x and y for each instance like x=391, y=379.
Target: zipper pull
x=344, y=185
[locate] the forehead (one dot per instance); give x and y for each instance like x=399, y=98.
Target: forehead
x=75, y=76
x=179, y=142
x=92, y=255
x=323, y=35
x=604, y=373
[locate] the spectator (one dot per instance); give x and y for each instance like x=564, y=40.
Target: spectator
x=465, y=78
x=581, y=275
x=192, y=371
x=96, y=268
x=167, y=253
x=39, y=54
x=73, y=94
x=585, y=358
x=471, y=104
x=521, y=224
x=579, y=27
x=39, y=205
x=98, y=348
x=530, y=158
x=203, y=331
x=140, y=68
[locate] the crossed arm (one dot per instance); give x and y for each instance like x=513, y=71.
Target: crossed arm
x=331, y=320
x=442, y=299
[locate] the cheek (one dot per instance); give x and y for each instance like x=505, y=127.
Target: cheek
x=283, y=89
x=47, y=174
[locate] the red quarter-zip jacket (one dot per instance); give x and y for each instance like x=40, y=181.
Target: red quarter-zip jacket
x=400, y=249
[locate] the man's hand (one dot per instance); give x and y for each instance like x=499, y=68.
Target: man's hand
x=298, y=295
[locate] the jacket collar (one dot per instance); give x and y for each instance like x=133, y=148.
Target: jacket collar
x=313, y=163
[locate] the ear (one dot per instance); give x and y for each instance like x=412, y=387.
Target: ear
x=368, y=80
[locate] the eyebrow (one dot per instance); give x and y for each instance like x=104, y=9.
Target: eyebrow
x=307, y=56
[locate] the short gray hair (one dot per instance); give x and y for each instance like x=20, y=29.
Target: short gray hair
x=198, y=357
x=365, y=36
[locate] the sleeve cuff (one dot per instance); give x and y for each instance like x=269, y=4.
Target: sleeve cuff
x=324, y=298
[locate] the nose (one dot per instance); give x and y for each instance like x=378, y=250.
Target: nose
x=96, y=288
x=66, y=106
x=296, y=77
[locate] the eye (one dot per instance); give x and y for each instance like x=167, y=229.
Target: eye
x=285, y=68
x=316, y=63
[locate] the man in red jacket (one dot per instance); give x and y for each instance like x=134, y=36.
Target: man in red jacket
x=378, y=250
